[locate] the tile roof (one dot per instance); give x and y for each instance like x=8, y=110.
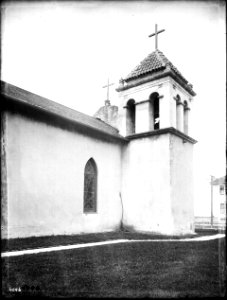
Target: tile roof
x=155, y=61
x=27, y=98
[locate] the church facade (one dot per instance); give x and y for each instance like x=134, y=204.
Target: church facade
x=130, y=166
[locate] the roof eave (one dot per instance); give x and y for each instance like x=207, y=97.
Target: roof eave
x=13, y=97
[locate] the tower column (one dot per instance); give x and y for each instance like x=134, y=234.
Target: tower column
x=122, y=121
x=180, y=116
x=143, y=116
x=164, y=106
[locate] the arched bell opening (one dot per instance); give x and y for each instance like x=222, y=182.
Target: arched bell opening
x=130, y=117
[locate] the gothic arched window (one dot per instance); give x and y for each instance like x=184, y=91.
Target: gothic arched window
x=130, y=117
x=90, y=186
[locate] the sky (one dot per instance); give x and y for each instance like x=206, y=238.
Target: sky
x=66, y=51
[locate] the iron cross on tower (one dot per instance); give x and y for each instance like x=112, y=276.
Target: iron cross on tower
x=156, y=35
x=107, y=102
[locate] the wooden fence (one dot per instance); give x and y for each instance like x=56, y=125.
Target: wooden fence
x=205, y=223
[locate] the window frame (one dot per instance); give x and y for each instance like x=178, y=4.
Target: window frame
x=93, y=176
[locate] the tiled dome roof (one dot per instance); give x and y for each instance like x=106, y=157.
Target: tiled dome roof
x=152, y=63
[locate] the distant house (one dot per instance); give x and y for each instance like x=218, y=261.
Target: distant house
x=219, y=198
x=218, y=189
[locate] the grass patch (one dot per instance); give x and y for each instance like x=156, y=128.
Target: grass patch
x=160, y=269
x=50, y=241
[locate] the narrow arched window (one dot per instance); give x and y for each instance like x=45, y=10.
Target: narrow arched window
x=154, y=111
x=90, y=186
x=130, y=117
x=178, y=112
x=186, y=110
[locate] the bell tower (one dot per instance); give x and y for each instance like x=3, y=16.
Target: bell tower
x=154, y=115
x=155, y=95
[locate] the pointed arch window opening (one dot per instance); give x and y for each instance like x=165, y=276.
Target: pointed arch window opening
x=90, y=187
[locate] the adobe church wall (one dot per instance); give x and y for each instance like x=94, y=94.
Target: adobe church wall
x=181, y=176
x=146, y=185
x=45, y=169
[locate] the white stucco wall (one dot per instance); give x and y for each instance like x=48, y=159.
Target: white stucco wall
x=45, y=169
x=181, y=176
x=157, y=185
x=146, y=185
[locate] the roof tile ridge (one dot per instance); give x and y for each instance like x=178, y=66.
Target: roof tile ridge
x=169, y=64
x=161, y=57
x=145, y=59
x=166, y=61
x=136, y=68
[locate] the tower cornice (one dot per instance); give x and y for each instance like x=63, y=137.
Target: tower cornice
x=154, y=76
x=172, y=130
